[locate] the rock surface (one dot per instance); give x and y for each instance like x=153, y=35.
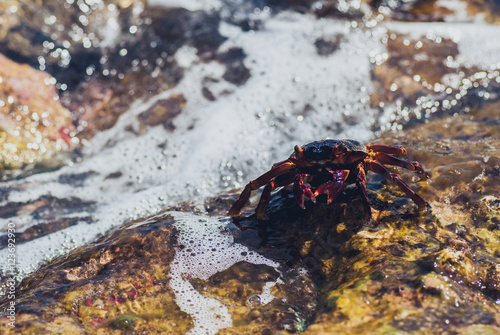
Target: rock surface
x=177, y=107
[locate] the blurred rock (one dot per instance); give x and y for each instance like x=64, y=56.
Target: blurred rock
x=35, y=128
x=420, y=78
x=107, y=54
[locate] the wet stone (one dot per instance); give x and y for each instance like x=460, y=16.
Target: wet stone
x=446, y=265
x=236, y=71
x=45, y=228
x=100, y=76
x=45, y=215
x=128, y=281
x=406, y=270
x=435, y=11
x=334, y=9
x=327, y=46
x=242, y=287
x=120, y=282
x=164, y=112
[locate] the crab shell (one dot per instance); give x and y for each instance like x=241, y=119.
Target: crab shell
x=331, y=152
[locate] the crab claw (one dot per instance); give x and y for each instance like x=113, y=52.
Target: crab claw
x=332, y=188
x=302, y=192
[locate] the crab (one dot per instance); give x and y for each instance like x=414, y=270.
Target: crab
x=326, y=167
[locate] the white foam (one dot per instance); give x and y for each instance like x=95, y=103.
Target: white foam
x=266, y=296
x=187, y=4
x=206, y=251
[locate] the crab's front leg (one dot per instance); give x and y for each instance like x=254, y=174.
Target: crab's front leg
x=276, y=170
x=334, y=187
x=301, y=191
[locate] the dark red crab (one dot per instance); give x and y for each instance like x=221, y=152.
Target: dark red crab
x=326, y=167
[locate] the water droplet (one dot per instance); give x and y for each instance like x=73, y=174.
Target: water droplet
x=254, y=300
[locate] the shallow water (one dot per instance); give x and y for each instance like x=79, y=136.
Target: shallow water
x=236, y=89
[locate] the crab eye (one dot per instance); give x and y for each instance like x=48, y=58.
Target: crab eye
x=339, y=149
x=298, y=151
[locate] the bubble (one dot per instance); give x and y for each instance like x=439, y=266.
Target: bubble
x=253, y=301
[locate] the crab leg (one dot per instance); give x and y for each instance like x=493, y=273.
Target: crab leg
x=265, y=197
x=396, y=179
x=332, y=188
x=388, y=149
x=276, y=170
x=413, y=166
x=301, y=191
x=361, y=184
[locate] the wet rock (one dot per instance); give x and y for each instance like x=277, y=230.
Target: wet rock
x=141, y=64
x=114, y=52
x=50, y=215
x=164, y=112
x=236, y=71
x=240, y=288
x=436, y=11
x=407, y=71
x=242, y=14
x=413, y=10
x=336, y=9
x=434, y=271
x=64, y=39
x=119, y=283
x=490, y=10
x=406, y=270
x=45, y=207
x=128, y=280
x=35, y=128
x=327, y=46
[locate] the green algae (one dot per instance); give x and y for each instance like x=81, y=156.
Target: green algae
x=124, y=322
